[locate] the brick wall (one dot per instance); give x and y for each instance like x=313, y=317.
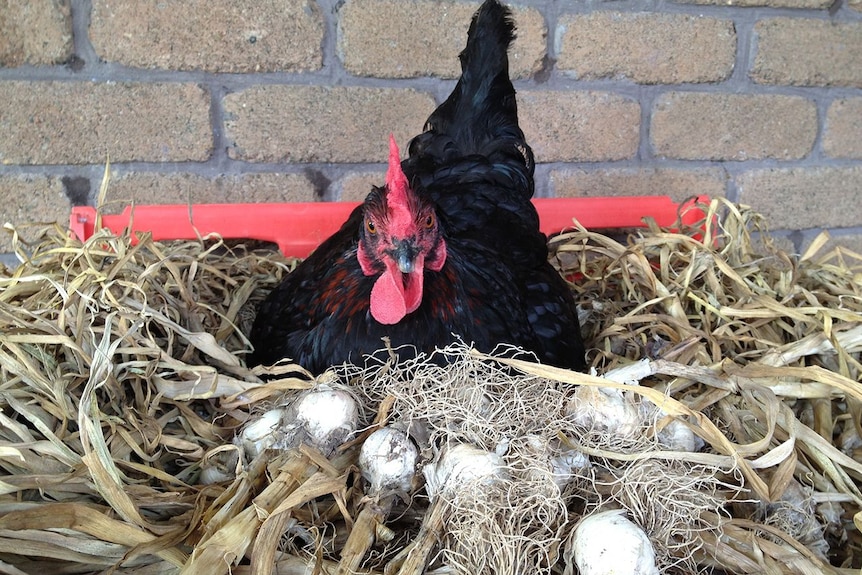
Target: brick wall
x=292, y=100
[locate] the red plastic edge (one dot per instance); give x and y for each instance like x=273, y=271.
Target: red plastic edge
x=300, y=227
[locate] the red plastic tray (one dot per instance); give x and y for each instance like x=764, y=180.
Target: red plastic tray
x=299, y=228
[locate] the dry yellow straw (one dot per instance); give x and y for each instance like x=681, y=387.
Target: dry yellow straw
x=122, y=376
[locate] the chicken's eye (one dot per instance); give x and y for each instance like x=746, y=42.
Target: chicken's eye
x=369, y=225
x=429, y=221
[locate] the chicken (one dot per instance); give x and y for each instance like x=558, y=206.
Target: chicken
x=449, y=248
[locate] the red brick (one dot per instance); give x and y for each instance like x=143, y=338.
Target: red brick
x=843, y=135
x=710, y=126
x=647, y=48
x=677, y=183
x=579, y=126
x=424, y=38
x=31, y=200
x=802, y=198
x=808, y=52
x=318, y=124
x=35, y=32
x=212, y=35
x=84, y=122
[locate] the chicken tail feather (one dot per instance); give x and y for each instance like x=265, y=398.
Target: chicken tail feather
x=481, y=114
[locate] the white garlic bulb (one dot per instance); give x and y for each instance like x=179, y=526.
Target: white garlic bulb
x=460, y=465
x=261, y=431
x=607, y=543
x=388, y=461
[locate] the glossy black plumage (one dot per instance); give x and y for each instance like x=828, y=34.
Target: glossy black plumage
x=496, y=286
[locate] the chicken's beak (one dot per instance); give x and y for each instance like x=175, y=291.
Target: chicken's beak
x=404, y=255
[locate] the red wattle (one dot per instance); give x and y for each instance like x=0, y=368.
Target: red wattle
x=387, y=299
x=391, y=300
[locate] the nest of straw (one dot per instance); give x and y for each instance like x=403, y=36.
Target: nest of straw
x=123, y=385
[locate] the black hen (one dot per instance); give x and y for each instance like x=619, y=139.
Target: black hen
x=449, y=248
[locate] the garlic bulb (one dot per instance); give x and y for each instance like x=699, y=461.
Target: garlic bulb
x=388, y=461
x=323, y=417
x=561, y=462
x=461, y=465
x=676, y=435
x=212, y=475
x=327, y=416
x=604, y=409
x=219, y=465
x=261, y=431
x=607, y=543
x=607, y=409
x=565, y=465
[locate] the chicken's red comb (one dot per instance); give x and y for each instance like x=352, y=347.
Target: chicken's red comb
x=396, y=181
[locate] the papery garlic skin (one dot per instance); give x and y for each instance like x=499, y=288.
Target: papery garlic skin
x=388, y=460
x=460, y=465
x=261, y=431
x=327, y=415
x=605, y=409
x=607, y=543
x=323, y=417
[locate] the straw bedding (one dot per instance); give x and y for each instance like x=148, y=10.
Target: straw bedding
x=734, y=441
